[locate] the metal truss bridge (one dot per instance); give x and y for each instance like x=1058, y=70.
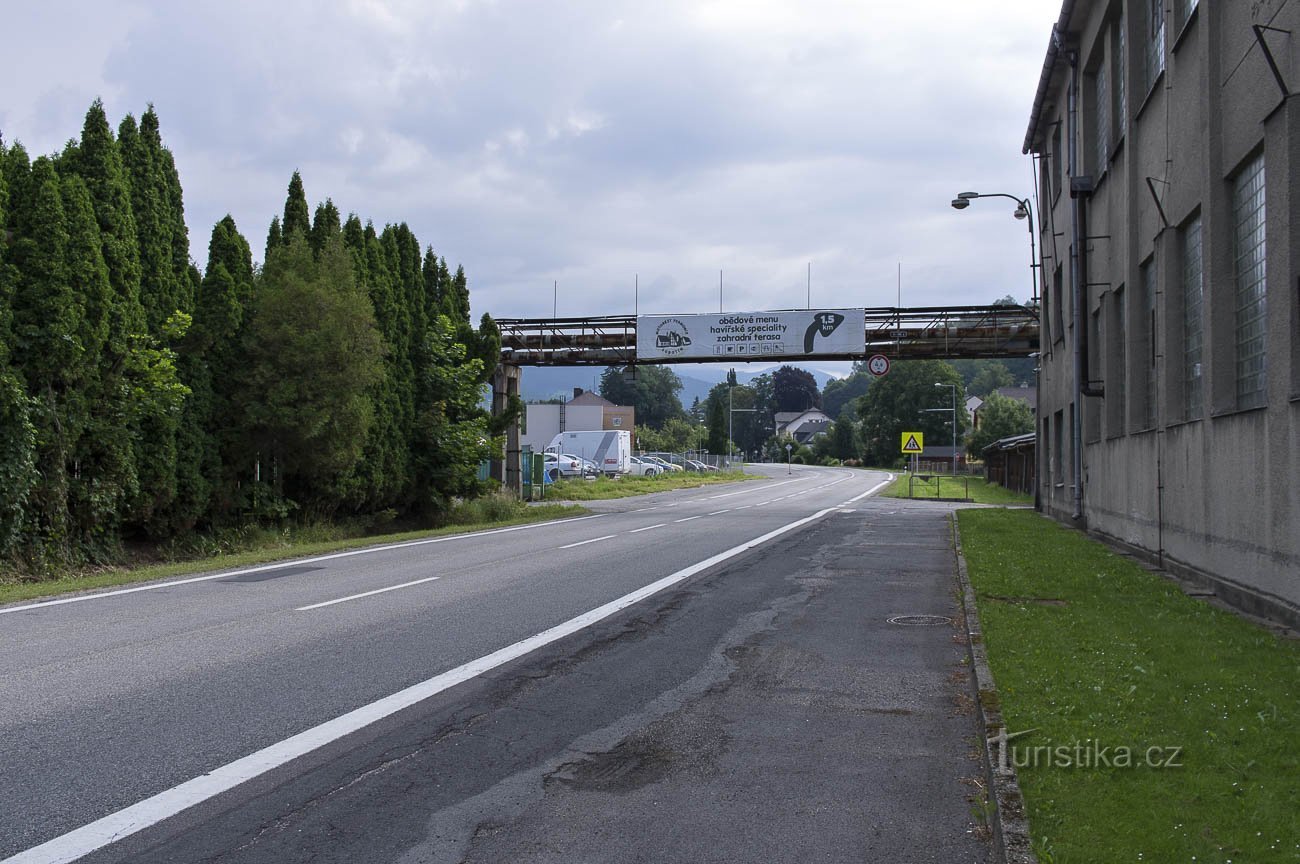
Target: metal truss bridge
x=934, y=332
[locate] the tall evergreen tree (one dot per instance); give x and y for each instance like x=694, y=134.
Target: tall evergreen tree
x=158, y=288
x=325, y=225
x=173, y=203
x=297, y=215
x=17, y=435
x=45, y=322
x=274, y=237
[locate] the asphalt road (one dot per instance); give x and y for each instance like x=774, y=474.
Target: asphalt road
x=341, y=709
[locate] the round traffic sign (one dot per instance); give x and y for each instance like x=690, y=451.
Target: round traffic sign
x=878, y=365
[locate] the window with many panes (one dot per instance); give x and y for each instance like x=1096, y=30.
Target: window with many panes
x=1101, y=101
x=1121, y=77
x=1248, y=254
x=1193, y=307
x=1148, y=325
x=1155, y=37
x=1058, y=303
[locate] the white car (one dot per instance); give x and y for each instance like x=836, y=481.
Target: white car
x=662, y=463
x=558, y=466
x=645, y=468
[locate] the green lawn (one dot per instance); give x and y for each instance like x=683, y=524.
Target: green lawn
x=942, y=486
x=1086, y=646
x=262, y=546
x=624, y=487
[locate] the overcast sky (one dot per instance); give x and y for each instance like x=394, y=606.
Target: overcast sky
x=587, y=143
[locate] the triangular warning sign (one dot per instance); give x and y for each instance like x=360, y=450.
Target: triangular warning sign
x=911, y=445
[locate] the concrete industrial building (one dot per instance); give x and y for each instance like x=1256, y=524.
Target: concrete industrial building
x=1166, y=138
x=585, y=412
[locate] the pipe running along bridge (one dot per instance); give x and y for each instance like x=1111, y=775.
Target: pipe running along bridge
x=934, y=332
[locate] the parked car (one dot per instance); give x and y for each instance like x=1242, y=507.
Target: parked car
x=663, y=463
x=696, y=465
x=645, y=467
x=589, y=468
x=558, y=465
x=669, y=459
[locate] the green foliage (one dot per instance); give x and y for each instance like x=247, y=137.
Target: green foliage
x=297, y=216
x=899, y=401
x=677, y=436
x=651, y=390
x=140, y=398
x=794, y=390
x=312, y=352
x=842, y=393
x=451, y=434
x=17, y=461
x=717, y=414
x=1000, y=417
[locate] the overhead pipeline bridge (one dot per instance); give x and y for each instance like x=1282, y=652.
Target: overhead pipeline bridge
x=933, y=332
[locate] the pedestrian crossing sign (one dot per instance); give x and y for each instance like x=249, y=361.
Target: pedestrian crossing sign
x=913, y=442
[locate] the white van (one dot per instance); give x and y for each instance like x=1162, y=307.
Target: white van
x=611, y=449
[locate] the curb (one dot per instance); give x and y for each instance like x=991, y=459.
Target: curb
x=1007, y=820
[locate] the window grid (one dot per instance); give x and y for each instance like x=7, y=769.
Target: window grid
x=1193, y=306
x=1103, y=119
x=1251, y=323
x=1149, y=340
x=1121, y=76
x=1155, y=40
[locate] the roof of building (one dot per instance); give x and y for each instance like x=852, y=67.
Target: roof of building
x=1055, y=44
x=589, y=398
x=1028, y=395
x=1011, y=442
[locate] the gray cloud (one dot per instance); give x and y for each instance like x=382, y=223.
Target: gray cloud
x=585, y=142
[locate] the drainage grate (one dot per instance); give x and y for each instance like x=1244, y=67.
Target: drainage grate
x=920, y=620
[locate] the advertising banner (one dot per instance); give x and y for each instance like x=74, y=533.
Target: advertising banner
x=751, y=335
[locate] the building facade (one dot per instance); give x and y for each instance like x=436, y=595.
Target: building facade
x=1166, y=140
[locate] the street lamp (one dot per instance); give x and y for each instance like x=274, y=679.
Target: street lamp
x=731, y=420
x=1023, y=211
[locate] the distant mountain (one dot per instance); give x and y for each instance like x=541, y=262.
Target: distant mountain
x=540, y=383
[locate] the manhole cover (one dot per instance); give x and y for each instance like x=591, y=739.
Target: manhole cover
x=919, y=620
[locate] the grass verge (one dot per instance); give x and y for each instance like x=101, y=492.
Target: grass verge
x=624, y=487
x=1091, y=651
x=940, y=486
x=263, y=546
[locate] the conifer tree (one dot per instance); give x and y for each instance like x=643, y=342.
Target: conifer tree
x=17, y=435
x=274, y=237
x=44, y=325
x=153, y=240
x=324, y=226
x=173, y=204
x=297, y=216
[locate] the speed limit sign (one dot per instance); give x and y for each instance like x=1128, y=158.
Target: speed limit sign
x=878, y=365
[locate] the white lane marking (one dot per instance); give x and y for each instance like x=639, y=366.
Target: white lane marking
x=719, y=512
x=689, y=518
x=647, y=528
x=141, y=815
x=366, y=594
x=746, y=507
x=288, y=562
x=859, y=497
x=641, y=510
x=592, y=540
x=749, y=489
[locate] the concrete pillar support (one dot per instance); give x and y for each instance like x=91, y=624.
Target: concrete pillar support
x=505, y=384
